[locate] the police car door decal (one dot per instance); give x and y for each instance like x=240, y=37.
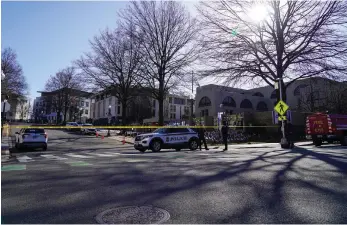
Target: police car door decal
x=178, y=138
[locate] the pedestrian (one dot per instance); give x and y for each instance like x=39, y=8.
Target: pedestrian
x=225, y=131
x=201, y=133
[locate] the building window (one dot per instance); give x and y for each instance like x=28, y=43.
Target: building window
x=110, y=101
x=204, y=112
x=82, y=103
x=153, y=113
x=262, y=107
x=246, y=104
x=170, y=100
x=87, y=104
x=118, y=110
x=118, y=102
x=229, y=101
x=86, y=111
x=205, y=101
x=179, y=101
x=172, y=108
x=172, y=115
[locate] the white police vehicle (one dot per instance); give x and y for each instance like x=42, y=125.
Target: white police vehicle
x=167, y=138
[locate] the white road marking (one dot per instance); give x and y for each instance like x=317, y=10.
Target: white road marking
x=54, y=157
x=101, y=154
x=24, y=159
x=78, y=156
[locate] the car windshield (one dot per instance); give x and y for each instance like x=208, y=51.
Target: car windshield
x=34, y=131
x=160, y=130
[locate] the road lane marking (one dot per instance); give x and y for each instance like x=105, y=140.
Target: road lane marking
x=100, y=154
x=54, y=157
x=24, y=159
x=78, y=156
x=79, y=163
x=13, y=167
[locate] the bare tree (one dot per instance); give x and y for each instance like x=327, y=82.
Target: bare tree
x=141, y=108
x=166, y=34
x=14, y=82
x=64, y=85
x=113, y=65
x=330, y=96
x=295, y=39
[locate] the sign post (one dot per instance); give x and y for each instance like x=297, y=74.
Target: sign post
x=281, y=108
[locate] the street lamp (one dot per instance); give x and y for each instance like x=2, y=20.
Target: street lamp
x=109, y=120
x=284, y=142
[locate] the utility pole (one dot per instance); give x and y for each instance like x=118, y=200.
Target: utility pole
x=284, y=141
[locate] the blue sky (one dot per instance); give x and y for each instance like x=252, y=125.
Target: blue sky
x=48, y=36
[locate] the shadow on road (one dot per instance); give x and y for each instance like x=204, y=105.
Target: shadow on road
x=263, y=185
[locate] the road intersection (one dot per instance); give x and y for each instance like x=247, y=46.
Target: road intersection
x=79, y=177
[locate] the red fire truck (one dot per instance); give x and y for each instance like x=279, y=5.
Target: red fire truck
x=326, y=127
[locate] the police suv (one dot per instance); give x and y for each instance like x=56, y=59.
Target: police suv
x=167, y=138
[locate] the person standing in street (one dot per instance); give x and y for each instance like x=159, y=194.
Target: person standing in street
x=225, y=131
x=201, y=133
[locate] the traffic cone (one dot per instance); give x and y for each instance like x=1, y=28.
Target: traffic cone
x=97, y=134
x=123, y=140
x=102, y=137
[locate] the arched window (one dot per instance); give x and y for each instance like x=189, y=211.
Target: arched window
x=229, y=101
x=261, y=106
x=297, y=89
x=273, y=95
x=246, y=104
x=205, y=101
x=258, y=94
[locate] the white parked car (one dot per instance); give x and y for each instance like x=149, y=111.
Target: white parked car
x=167, y=138
x=31, y=138
x=86, y=130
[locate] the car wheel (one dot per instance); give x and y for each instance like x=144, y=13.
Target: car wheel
x=44, y=148
x=142, y=150
x=344, y=141
x=156, y=146
x=330, y=141
x=193, y=144
x=178, y=149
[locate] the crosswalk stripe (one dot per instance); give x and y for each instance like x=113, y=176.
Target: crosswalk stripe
x=78, y=156
x=53, y=157
x=101, y=154
x=24, y=159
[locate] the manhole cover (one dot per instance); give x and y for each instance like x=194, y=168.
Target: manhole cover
x=133, y=215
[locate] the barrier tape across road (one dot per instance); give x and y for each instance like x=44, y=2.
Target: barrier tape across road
x=126, y=127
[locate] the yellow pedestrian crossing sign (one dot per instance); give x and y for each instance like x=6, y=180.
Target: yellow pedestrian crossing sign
x=282, y=118
x=281, y=108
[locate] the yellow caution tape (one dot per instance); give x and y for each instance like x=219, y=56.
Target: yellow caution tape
x=124, y=127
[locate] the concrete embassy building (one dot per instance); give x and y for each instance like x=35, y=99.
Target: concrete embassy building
x=307, y=95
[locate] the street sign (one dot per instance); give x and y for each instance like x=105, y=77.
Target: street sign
x=281, y=107
x=7, y=107
x=275, y=116
x=282, y=118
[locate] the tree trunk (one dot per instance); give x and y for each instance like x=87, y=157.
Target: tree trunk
x=124, y=112
x=161, y=111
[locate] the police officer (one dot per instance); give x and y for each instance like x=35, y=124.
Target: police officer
x=201, y=133
x=225, y=131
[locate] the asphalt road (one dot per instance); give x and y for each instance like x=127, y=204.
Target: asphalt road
x=80, y=176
